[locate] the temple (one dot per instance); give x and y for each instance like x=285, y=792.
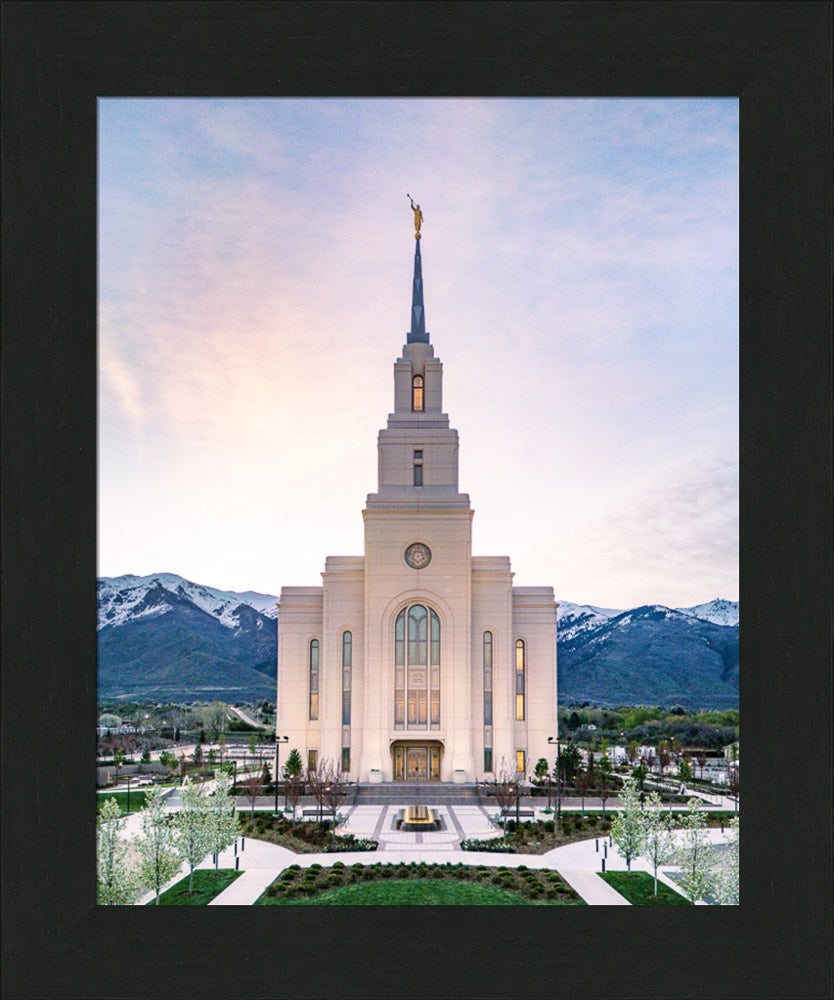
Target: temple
x=417, y=660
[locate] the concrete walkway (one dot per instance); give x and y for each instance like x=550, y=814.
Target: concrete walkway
x=594, y=890
x=579, y=864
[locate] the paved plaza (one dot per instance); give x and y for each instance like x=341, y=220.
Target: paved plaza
x=579, y=864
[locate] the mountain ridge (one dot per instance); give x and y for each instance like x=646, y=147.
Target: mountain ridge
x=162, y=636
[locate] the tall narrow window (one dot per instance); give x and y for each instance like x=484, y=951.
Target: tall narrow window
x=312, y=760
x=417, y=394
x=519, y=680
x=418, y=466
x=314, y=680
x=487, y=701
x=399, y=671
x=434, y=671
x=520, y=761
x=347, y=661
x=345, y=759
x=417, y=669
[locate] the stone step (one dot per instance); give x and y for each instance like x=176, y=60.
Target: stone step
x=416, y=793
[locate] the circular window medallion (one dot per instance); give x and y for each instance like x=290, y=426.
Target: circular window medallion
x=418, y=555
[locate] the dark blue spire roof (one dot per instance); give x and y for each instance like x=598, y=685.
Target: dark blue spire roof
x=417, y=334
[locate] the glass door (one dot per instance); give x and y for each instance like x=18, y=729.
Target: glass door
x=416, y=763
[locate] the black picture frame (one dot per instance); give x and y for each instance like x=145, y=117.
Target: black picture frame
x=58, y=59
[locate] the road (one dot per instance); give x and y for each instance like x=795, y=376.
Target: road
x=247, y=718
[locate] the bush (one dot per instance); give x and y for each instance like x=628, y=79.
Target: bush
x=496, y=846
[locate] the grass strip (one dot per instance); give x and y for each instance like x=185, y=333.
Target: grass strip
x=207, y=884
x=638, y=889
x=137, y=800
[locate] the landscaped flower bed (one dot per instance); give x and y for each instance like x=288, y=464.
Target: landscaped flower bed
x=417, y=884
x=540, y=836
x=301, y=837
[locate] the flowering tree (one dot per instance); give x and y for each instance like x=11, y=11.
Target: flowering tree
x=158, y=848
x=627, y=830
x=726, y=883
x=658, y=844
x=117, y=884
x=695, y=854
x=221, y=819
x=192, y=824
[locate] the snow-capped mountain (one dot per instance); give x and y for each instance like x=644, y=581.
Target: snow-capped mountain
x=123, y=598
x=575, y=618
x=650, y=655
x=164, y=637
x=719, y=611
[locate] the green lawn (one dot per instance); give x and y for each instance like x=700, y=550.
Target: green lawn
x=417, y=884
x=405, y=892
x=137, y=800
x=207, y=884
x=638, y=889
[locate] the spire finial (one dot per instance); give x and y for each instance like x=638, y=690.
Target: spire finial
x=418, y=217
x=417, y=333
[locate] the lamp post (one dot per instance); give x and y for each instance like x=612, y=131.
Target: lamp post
x=552, y=740
x=128, y=794
x=278, y=741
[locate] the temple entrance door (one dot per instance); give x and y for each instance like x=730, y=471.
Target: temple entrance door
x=416, y=763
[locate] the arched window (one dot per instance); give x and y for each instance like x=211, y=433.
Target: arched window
x=417, y=394
x=519, y=680
x=314, y=679
x=417, y=669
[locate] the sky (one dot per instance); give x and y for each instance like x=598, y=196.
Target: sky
x=580, y=266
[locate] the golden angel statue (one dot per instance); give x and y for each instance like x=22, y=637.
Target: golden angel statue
x=418, y=217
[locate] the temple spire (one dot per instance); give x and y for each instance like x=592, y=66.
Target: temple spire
x=417, y=334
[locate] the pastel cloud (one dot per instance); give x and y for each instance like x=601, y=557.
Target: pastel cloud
x=580, y=260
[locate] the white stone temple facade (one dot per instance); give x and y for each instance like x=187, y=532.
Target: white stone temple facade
x=418, y=660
